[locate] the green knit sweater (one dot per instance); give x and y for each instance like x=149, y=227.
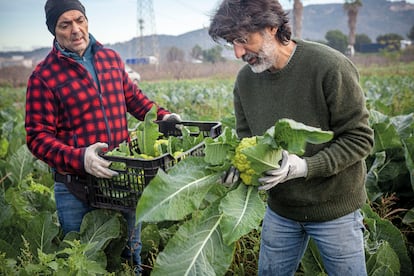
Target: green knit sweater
x=318, y=87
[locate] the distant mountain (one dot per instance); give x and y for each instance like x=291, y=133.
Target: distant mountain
x=184, y=42
x=376, y=17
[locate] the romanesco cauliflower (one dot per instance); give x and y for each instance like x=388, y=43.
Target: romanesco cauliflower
x=240, y=160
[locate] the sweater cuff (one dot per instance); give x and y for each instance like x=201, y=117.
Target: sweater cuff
x=316, y=166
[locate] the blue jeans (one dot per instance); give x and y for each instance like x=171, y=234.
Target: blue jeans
x=340, y=243
x=71, y=210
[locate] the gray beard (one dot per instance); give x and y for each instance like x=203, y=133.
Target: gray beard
x=265, y=57
x=261, y=67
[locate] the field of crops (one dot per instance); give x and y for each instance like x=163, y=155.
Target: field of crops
x=31, y=241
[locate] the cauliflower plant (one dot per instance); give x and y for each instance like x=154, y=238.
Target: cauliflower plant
x=240, y=160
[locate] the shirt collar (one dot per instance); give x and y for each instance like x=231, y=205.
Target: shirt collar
x=88, y=52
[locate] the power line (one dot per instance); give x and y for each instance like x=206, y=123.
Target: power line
x=190, y=7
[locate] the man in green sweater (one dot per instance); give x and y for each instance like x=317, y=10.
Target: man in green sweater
x=318, y=195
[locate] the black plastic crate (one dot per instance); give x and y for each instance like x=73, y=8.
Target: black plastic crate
x=123, y=191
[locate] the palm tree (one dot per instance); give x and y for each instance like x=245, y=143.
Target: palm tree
x=352, y=8
x=297, y=18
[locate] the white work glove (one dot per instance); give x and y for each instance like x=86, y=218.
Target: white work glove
x=292, y=167
x=96, y=165
x=230, y=177
x=172, y=117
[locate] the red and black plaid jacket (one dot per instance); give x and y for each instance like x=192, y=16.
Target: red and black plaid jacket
x=66, y=111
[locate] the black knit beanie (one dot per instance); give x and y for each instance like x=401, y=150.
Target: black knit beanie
x=55, y=8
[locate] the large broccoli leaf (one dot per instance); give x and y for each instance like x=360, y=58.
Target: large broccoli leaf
x=197, y=248
x=216, y=153
x=293, y=136
x=41, y=233
x=263, y=158
x=174, y=195
x=380, y=231
x=243, y=210
x=386, y=135
x=219, y=151
x=101, y=231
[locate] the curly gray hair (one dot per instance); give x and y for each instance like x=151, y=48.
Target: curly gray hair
x=237, y=18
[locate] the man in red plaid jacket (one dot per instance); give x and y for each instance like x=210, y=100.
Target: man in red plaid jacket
x=76, y=105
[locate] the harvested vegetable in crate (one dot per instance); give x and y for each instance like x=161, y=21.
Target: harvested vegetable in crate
x=148, y=142
x=154, y=145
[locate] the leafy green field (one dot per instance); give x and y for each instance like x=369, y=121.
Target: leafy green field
x=31, y=242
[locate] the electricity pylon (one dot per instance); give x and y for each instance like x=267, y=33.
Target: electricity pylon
x=146, y=28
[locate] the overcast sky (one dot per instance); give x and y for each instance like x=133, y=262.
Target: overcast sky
x=22, y=22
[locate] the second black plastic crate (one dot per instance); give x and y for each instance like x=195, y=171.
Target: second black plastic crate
x=123, y=191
